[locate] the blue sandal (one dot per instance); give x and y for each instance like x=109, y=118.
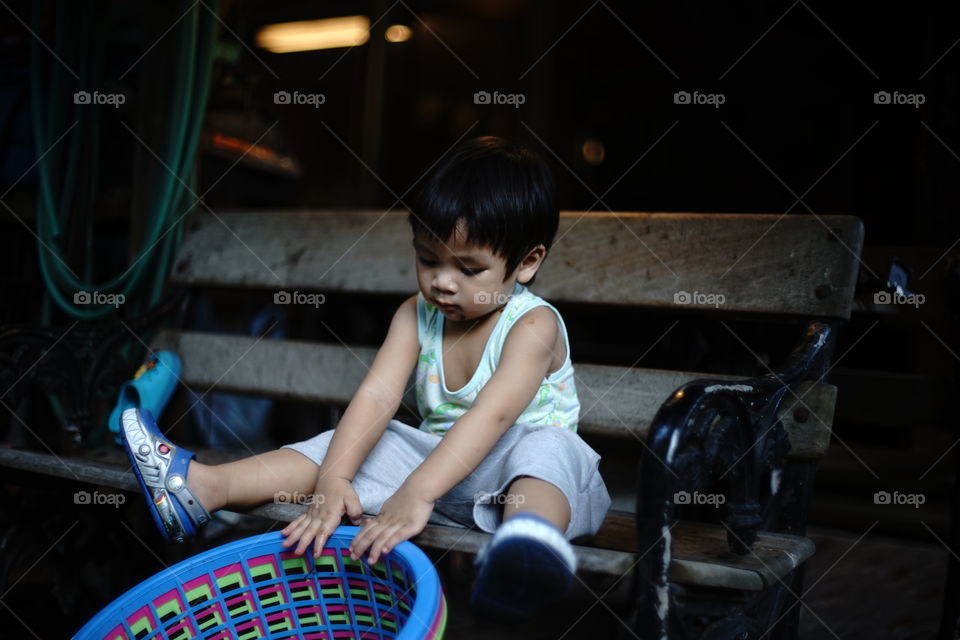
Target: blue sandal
x=161, y=469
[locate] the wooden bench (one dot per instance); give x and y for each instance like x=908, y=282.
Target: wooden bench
x=685, y=436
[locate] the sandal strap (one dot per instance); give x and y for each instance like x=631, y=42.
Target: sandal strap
x=198, y=515
x=176, y=483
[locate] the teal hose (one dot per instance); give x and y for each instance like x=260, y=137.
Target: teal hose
x=172, y=241
x=162, y=230
x=57, y=273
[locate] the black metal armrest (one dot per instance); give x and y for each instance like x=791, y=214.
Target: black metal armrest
x=717, y=434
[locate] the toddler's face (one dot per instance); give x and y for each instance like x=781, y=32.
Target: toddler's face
x=464, y=280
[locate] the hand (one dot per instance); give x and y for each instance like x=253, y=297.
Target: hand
x=332, y=498
x=403, y=516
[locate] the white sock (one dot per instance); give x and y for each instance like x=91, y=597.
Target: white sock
x=536, y=528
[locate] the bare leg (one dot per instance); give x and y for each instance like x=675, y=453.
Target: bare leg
x=252, y=481
x=533, y=495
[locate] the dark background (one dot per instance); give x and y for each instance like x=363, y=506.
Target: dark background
x=798, y=119
x=798, y=132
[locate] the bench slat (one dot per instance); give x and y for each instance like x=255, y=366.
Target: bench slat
x=615, y=401
x=700, y=553
x=641, y=259
x=282, y=369
x=703, y=558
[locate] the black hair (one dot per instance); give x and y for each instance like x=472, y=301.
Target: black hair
x=504, y=193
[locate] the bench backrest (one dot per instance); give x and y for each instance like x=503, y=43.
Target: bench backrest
x=789, y=264
x=759, y=264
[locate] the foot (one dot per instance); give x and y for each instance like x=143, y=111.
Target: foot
x=161, y=469
x=527, y=565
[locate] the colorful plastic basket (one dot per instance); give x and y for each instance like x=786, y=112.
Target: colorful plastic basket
x=254, y=588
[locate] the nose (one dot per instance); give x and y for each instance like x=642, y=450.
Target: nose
x=444, y=282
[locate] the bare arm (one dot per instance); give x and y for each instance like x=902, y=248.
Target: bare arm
x=363, y=423
x=378, y=397
x=524, y=363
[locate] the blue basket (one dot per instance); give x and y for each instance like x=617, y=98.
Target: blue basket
x=254, y=588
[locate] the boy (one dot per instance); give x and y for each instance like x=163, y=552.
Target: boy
x=497, y=446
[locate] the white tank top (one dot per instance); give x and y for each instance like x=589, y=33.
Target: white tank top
x=555, y=404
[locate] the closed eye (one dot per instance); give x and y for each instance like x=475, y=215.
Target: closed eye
x=425, y=262
x=471, y=272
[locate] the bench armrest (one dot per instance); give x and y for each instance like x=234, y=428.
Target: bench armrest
x=719, y=434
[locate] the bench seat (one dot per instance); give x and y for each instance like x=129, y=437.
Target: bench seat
x=700, y=554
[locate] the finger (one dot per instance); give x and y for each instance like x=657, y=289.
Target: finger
x=321, y=539
x=362, y=540
x=376, y=542
x=293, y=522
x=379, y=545
x=307, y=519
x=326, y=530
x=295, y=530
x=291, y=525
x=358, y=540
x=354, y=510
x=308, y=535
x=401, y=535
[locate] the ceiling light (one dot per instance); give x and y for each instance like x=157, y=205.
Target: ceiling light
x=309, y=35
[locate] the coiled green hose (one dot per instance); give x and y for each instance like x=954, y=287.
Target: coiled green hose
x=172, y=198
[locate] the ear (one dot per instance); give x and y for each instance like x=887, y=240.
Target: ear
x=530, y=264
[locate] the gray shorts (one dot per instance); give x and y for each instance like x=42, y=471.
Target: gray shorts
x=554, y=455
